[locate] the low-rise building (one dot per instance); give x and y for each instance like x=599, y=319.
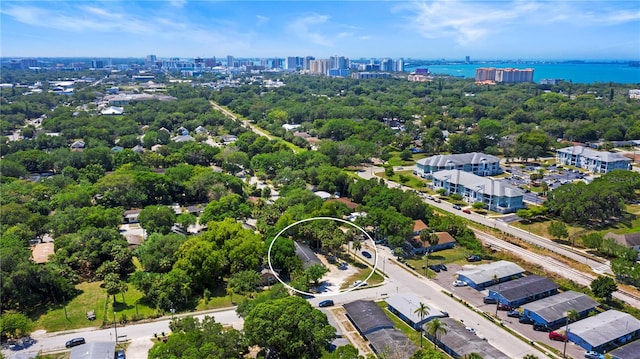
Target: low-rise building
x=458, y=342
x=592, y=160
x=498, y=196
x=523, y=290
x=484, y=275
x=604, y=331
x=404, y=305
x=552, y=311
x=477, y=163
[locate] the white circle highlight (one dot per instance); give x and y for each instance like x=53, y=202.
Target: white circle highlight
x=375, y=261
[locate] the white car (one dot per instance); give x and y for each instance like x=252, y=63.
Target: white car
x=459, y=283
x=359, y=283
x=471, y=330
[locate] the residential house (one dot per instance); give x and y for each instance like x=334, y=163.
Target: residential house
x=77, y=145
x=445, y=241
x=629, y=240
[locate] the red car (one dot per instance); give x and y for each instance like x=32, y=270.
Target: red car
x=466, y=211
x=557, y=336
x=502, y=306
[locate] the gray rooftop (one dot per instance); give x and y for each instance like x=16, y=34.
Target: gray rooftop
x=485, y=272
x=392, y=341
x=463, y=342
x=306, y=255
x=524, y=287
x=457, y=159
x=94, y=350
x=484, y=185
x=553, y=308
x=407, y=303
x=629, y=351
x=593, y=154
x=367, y=316
x=605, y=327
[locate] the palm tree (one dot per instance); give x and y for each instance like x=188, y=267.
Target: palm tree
x=422, y=311
x=435, y=328
x=357, y=245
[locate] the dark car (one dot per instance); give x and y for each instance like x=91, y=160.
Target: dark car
x=120, y=354
x=366, y=254
x=455, y=206
x=74, y=342
x=525, y=320
x=434, y=268
x=541, y=327
x=474, y=258
x=489, y=300
x=513, y=314
x=326, y=303
x=442, y=267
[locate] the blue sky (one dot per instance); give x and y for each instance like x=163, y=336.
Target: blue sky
x=498, y=29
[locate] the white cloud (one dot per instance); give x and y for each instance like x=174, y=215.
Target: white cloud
x=178, y=3
x=261, y=20
x=302, y=27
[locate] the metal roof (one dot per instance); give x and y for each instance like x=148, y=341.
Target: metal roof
x=407, y=303
x=94, y=350
x=367, y=316
x=524, y=287
x=485, y=272
x=628, y=351
x=555, y=307
x=462, y=342
x=605, y=327
x=593, y=154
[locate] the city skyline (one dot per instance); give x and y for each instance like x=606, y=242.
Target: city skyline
x=452, y=30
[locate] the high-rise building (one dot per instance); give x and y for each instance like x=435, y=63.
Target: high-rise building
x=210, y=62
x=27, y=63
x=386, y=65
x=467, y=59
x=319, y=67
x=230, y=62
x=150, y=60
x=306, y=64
x=399, y=65
x=276, y=63
x=507, y=75
x=97, y=64
x=339, y=62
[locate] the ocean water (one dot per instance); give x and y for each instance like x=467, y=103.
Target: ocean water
x=575, y=72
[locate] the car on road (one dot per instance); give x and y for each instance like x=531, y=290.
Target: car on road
x=75, y=342
x=455, y=206
x=470, y=330
x=590, y=354
x=541, y=327
x=436, y=200
x=557, y=336
x=489, y=300
x=459, y=283
x=466, y=211
x=359, y=283
x=120, y=354
x=326, y=303
x=513, y=314
x=474, y=258
x=366, y=254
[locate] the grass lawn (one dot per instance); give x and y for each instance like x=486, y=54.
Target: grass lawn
x=454, y=255
x=406, y=178
x=219, y=299
x=362, y=273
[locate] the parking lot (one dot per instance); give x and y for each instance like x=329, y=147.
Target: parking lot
x=475, y=299
x=553, y=176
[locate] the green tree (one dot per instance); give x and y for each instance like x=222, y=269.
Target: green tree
x=428, y=353
x=435, y=328
x=158, y=252
x=558, y=230
x=192, y=339
x=185, y=220
x=603, y=287
x=297, y=330
x=343, y=352
x=15, y=325
x=158, y=219
x=315, y=272
x=422, y=311
x=244, y=282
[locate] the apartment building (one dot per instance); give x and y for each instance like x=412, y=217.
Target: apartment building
x=592, y=160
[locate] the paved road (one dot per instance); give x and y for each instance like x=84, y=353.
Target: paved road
x=598, y=265
x=139, y=335
x=245, y=123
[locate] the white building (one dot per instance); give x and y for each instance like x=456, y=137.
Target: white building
x=592, y=160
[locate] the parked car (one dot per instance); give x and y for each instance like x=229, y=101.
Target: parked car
x=513, y=314
x=120, y=354
x=525, y=320
x=471, y=330
x=75, y=342
x=359, y=283
x=455, y=206
x=474, y=258
x=502, y=306
x=366, y=254
x=326, y=303
x=459, y=283
x=489, y=300
x=541, y=327
x=557, y=336
x=590, y=354
x=466, y=211
x=434, y=268
x=442, y=267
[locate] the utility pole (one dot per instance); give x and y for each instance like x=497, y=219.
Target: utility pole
x=115, y=326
